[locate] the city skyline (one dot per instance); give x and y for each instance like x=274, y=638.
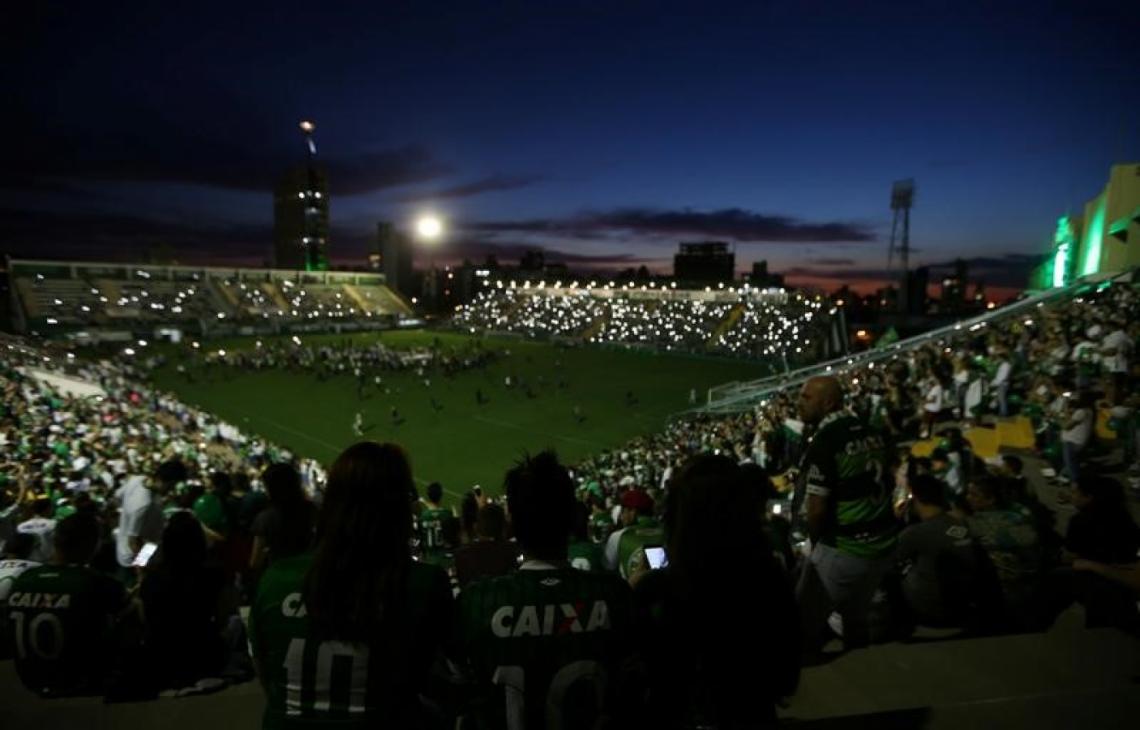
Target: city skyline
x=604, y=136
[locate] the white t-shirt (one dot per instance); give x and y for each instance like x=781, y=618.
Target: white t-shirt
x=1080, y=433
x=44, y=530
x=1118, y=340
x=933, y=403
x=1002, y=375
x=974, y=393
x=140, y=516
x=9, y=571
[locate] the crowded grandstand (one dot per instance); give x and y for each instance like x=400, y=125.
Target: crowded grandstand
x=744, y=322
x=909, y=489
x=54, y=298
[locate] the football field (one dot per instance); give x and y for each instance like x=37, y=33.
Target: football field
x=462, y=443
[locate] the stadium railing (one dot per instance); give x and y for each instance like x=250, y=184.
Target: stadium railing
x=738, y=396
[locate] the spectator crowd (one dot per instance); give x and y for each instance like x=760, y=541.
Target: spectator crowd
x=742, y=324
x=364, y=362
x=620, y=587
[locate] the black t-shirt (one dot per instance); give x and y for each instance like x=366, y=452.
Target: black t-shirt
x=1106, y=536
x=485, y=560
x=286, y=533
x=717, y=660
x=941, y=557
x=183, y=637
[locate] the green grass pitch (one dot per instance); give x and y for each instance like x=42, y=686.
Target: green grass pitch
x=464, y=444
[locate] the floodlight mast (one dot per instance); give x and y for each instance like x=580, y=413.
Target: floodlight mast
x=902, y=198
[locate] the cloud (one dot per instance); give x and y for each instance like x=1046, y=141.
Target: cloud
x=854, y=274
x=735, y=224
x=491, y=184
x=1007, y=271
x=110, y=237
x=510, y=251
x=94, y=236
x=362, y=173
x=832, y=262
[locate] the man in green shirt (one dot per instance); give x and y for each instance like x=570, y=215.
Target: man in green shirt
x=432, y=516
x=62, y=616
x=843, y=482
x=546, y=643
x=626, y=547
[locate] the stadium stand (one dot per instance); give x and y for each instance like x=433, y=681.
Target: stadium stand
x=54, y=298
x=1014, y=435
x=741, y=323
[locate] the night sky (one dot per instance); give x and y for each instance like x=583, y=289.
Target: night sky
x=603, y=132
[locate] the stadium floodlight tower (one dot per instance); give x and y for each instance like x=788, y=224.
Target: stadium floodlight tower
x=313, y=239
x=902, y=198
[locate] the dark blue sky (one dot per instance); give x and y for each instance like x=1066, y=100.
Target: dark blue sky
x=606, y=132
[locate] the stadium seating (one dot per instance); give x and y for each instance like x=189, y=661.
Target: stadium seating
x=57, y=296
x=743, y=324
x=1068, y=677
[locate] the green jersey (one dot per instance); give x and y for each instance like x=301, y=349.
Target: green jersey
x=631, y=544
x=586, y=556
x=315, y=683
x=445, y=561
x=431, y=527
x=544, y=645
x=600, y=526
x=61, y=618
x=845, y=464
x=211, y=512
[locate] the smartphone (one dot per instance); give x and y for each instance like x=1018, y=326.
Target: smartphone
x=656, y=557
x=145, y=554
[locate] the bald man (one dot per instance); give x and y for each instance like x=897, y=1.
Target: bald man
x=844, y=484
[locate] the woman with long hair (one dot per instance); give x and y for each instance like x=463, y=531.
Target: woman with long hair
x=186, y=607
x=347, y=632
x=720, y=604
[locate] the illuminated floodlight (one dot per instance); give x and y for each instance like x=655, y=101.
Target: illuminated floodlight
x=307, y=127
x=429, y=227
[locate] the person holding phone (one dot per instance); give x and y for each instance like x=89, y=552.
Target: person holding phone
x=186, y=606
x=141, y=518
x=694, y=630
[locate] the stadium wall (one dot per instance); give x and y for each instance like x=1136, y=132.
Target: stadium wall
x=1103, y=238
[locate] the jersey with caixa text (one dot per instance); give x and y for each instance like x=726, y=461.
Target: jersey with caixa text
x=545, y=645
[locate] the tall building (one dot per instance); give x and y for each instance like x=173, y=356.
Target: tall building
x=301, y=214
x=916, y=283
x=762, y=278
x=708, y=262
x=395, y=253
x=954, y=287
x=1101, y=237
